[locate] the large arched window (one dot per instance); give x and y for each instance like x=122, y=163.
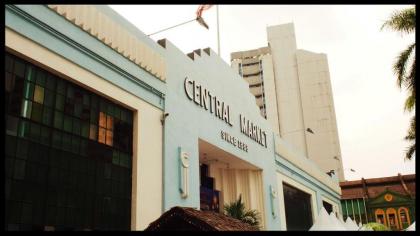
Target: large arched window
x=391, y=216
x=404, y=217
x=380, y=216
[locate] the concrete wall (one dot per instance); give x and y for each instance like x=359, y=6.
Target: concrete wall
x=282, y=42
x=270, y=93
x=318, y=111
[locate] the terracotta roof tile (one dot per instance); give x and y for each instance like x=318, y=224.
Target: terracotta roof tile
x=199, y=220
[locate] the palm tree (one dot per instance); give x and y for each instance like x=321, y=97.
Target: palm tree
x=237, y=210
x=411, y=137
x=404, y=21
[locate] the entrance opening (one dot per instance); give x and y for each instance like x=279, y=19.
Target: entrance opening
x=328, y=207
x=298, y=208
x=224, y=176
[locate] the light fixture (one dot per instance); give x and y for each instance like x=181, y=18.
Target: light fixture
x=310, y=130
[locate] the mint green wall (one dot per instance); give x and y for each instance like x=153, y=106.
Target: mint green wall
x=286, y=168
x=187, y=123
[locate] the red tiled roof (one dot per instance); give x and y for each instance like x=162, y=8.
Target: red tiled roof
x=375, y=186
x=198, y=220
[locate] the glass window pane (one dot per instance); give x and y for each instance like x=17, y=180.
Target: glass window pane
x=23, y=128
x=47, y=116
x=109, y=137
x=115, y=157
x=75, y=144
x=130, y=117
x=117, y=113
x=110, y=110
x=109, y=122
x=39, y=94
x=70, y=92
x=41, y=77
x=28, y=90
x=69, y=107
x=103, y=105
x=26, y=109
x=85, y=113
x=102, y=119
x=61, y=86
x=35, y=132
x=9, y=63
x=94, y=117
x=10, y=145
x=78, y=96
x=10, y=82
x=30, y=73
x=83, y=147
x=59, y=104
x=58, y=120
x=93, y=132
x=101, y=135
x=51, y=82
x=85, y=129
x=56, y=139
x=86, y=99
x=67, y=142
x=78, y=110
x=76, y=126
x=45, y=135
x=94, y=102
x=123, y=115
x=19, y=171
x=49, y=98
x=19, y=68
x=68, y=123
x=36, y=112
x=12, y=125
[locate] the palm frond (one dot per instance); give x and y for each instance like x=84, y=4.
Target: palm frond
x=410, y=151
x=411, y=136
x=237, y=210
x=410, y=103
x=402, y=21
x=401, y=64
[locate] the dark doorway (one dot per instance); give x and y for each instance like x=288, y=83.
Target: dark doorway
x=298, y=208
x=328, y=207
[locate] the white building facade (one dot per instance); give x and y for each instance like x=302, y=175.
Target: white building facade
x=292, y=87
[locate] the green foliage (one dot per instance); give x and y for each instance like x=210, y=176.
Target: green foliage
x=404, y=67
x=376, y=226
x=237, y=210
x=411, y=137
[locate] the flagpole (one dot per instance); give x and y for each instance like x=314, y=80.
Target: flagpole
x=218, y=34
x=173, y=27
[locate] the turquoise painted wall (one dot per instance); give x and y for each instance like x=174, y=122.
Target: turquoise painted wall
x=286, y=168
x=188, y=122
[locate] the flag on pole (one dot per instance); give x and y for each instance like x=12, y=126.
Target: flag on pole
x=201, y=8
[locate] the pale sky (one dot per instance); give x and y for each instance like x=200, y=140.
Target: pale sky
x=368, y=104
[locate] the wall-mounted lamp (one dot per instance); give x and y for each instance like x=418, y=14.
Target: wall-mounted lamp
x=184, y=164
x=273, y=195
x=163, y=118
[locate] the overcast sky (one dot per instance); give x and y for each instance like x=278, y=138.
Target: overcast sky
x=368, y=104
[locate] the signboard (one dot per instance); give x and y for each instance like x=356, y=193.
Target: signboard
x=210, y=102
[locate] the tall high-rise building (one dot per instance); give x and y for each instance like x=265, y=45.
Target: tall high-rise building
x=292, y=88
